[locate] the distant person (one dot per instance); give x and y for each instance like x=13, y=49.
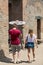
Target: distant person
x=15, y=41
x=30, y=41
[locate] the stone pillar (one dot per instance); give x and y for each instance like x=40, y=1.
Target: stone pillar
x=4, y=26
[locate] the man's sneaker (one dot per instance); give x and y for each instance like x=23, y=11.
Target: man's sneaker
x=18, y=61
x=14, y=61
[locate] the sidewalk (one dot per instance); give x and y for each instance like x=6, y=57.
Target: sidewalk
x=23, y=57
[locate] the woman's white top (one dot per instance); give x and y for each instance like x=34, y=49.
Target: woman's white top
x=31, y=39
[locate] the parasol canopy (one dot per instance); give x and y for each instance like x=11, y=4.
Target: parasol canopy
x=17, y=22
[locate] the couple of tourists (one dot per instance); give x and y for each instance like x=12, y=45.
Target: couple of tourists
x=15, y=42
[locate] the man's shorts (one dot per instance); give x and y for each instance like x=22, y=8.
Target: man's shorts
x=15, y=48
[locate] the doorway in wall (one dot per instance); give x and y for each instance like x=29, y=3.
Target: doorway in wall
x=39, y=29
x=15, y=10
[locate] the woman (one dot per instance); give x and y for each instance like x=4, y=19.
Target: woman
x=29, y=42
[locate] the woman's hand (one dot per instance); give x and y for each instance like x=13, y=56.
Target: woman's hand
x=37, y=46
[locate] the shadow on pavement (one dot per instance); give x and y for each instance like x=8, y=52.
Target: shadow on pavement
x=25, y=62
x=3, y=58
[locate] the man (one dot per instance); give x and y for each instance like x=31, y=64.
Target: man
x=15, y=41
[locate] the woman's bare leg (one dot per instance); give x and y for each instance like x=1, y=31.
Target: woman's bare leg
x=33, y=51
x=29, y=54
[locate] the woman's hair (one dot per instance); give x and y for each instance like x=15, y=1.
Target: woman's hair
x=30, y=31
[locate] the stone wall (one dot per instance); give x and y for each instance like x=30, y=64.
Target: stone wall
x=31, y=9
x=4, y=26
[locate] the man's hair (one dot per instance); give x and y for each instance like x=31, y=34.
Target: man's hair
x=14, y=25
x=30, y=31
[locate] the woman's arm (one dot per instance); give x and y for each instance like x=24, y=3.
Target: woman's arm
x=36, y=43
x=26, y=40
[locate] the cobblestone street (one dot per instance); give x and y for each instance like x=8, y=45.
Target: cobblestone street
x=23, y=57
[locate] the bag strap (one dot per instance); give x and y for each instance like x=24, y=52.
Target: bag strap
x=27, y=38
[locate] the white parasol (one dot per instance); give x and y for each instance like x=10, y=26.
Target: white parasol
x=12, y=22
x=17, y=22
